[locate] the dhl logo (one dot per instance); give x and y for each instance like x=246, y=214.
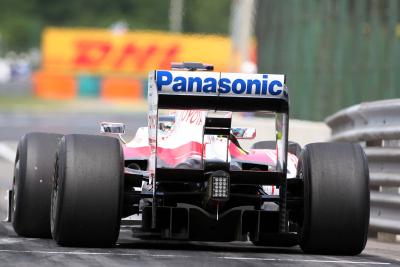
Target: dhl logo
x=92, y=54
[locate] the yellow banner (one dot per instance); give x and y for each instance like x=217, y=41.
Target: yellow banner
x=104, y=51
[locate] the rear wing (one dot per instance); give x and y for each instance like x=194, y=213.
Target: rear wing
x=217, y=91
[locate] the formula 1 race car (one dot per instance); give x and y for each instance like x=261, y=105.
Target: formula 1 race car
x=186, y=175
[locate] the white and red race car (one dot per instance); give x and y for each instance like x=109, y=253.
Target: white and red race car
x=188, y=177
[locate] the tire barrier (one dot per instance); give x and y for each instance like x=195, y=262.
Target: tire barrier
x=65, y=86
x=376, y=125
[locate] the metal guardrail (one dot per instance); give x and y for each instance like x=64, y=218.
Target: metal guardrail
x=376, y=125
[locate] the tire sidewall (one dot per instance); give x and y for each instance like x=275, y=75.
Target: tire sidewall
x=56, y=192
x=18, y=184
x=304, y=175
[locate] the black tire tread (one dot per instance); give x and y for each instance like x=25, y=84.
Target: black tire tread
x=336, y=197
x=87, y=208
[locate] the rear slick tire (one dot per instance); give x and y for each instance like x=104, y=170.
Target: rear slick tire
x=33, y=171
x=87, y=191
x=336, y=198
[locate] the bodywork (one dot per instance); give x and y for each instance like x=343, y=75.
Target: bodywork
x=183, y=140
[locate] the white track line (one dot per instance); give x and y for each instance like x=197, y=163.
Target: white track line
x=305, y=260
x=79, y=253
x=90, y=253
x=7, y=153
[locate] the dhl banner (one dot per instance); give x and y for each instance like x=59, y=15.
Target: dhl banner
x=104, y=51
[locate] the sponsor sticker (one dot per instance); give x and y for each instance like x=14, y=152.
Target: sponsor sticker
x=220, y=83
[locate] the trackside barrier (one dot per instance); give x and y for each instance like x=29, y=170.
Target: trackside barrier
x=64, y=85
x=376, y=125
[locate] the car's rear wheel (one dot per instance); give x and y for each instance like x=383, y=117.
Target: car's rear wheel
x=293, y=147
x=336, y=198
x=87, y=191
x=33, y=171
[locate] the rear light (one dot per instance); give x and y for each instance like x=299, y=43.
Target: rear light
x=219, y=186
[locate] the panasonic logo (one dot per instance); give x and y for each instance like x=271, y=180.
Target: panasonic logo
x=222, y=83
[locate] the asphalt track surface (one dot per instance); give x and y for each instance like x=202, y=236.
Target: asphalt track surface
x=18, y=251
x=14, y=125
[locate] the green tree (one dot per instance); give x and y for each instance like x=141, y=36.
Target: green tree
x=21, y=21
